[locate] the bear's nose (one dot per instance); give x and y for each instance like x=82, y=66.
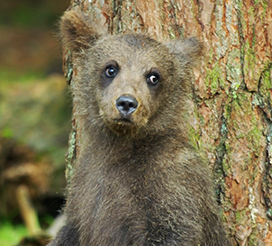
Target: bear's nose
x=126, y=105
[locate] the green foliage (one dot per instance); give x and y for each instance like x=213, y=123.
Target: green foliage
x=35, y=111
x=9, y=77
x=6, y=132
x=10, y=234
x=29, y=14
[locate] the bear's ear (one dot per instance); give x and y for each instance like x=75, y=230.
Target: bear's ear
x=188, y=50
x=76, y=31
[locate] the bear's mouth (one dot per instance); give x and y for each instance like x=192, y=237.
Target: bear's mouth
x=123, y=126
x=123, y=121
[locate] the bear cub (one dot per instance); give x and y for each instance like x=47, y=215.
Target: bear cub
x=137, y=181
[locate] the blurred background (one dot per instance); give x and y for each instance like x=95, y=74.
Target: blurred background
x=35, y=113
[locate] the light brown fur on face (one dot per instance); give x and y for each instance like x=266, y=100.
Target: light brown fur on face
x=134, y=66
x=137, y=180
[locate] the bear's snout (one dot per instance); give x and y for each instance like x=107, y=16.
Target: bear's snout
x=126, y=105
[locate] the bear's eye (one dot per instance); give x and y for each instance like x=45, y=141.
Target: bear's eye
x=111, y=72
x=153, y=78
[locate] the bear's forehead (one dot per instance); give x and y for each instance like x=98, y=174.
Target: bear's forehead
x=137, y=41
x=131, y=48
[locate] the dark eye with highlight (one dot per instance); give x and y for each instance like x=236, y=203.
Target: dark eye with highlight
x=153, y=78
x=111, y=71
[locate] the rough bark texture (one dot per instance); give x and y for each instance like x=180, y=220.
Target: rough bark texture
x=231, y=110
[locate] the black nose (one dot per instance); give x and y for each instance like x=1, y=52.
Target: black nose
x=126, y=105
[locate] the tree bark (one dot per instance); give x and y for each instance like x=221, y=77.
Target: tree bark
x=231, y=113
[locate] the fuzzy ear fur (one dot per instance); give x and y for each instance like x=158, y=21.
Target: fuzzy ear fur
x=190, y=50
x=76, y=31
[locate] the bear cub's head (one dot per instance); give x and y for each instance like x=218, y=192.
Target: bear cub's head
x=128, y=82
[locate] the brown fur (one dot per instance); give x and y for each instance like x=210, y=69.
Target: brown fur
x=136, y=182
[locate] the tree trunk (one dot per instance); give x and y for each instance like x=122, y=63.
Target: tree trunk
x=231, y=114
